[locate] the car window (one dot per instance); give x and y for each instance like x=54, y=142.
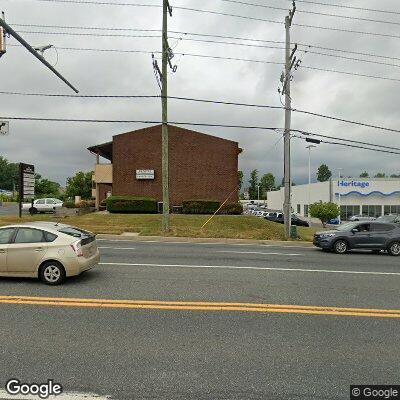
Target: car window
x=49, y=237
x=364, y=227
x=41, y=201
x=49, y=201
x=29, y=235
x=5, y=235
x=381, y=227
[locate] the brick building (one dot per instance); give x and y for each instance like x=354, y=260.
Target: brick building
x=201, y=166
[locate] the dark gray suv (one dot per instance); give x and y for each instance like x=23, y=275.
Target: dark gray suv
x=375, y=236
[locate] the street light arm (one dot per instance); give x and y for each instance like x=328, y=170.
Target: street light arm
x=24, y=43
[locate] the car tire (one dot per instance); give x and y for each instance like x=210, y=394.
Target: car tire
x=33, y=211
x=340, y=247
x=394, y=249
x=52, y=273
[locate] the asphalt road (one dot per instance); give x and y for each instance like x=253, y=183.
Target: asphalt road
x=155, y=353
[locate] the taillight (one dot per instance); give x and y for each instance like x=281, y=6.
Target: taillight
x=77, y=248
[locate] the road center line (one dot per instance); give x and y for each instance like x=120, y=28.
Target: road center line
x=257, y=252
x=197, y=306
x=325, y=271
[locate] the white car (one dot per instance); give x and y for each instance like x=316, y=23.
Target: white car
x=49, y=251
x=43, y=205
x=361, y=218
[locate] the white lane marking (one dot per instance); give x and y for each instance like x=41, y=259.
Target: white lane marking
x=257, y=252
x=326, y=271
x=208, y=244
x=117, y=248
x=64, y=396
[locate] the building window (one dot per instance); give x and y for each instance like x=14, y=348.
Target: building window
x=298, y=208
x=346, y=212
x=392, y=210
x=372, y=211
x=306, y=210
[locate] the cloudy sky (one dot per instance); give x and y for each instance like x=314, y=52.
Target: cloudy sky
x=59, y=149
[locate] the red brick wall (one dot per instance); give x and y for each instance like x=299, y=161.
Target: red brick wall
x=200, y=166
x=103, y=189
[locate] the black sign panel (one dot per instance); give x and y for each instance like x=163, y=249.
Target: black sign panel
x=27, y=182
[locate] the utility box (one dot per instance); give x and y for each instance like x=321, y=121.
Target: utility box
x=293, y=232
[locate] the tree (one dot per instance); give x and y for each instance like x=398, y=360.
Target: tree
x=45, y=187
x=79, y=185
x=267, y=183
x=324, y=211
x=240, y=180
x=395, y=176
x=365, y=174
x=380, y=175
x=8, y=174
x=323, y=173
x=253, y=191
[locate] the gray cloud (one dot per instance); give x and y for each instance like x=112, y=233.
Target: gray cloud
x=59, y=149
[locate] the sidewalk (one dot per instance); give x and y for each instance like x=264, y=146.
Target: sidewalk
x=136, y=238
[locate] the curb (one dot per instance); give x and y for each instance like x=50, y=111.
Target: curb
x=168, y=239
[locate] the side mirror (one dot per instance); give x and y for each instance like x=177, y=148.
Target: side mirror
x=354, y=230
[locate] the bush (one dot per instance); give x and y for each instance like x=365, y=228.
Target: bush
x=131, y=205
x=86, y=204
x=231, y=209
x=69, y=204
x=200, y=206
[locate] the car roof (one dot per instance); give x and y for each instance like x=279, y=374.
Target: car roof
x=51, y=226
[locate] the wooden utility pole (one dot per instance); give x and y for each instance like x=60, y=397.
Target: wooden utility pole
x=164, y=100
x=290, y=60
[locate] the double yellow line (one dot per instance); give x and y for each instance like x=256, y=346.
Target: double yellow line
x=198, y=306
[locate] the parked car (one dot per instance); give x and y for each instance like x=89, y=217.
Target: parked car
x=296, y=220
x=334, y=221
x=46, y=250
x=392, y=218
x=361, y=218
x=43, y=205
x=375, y=236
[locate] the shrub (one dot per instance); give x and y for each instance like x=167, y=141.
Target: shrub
x=324, y=211
x=200, y=206
x=86, y=204
x=231, y=209
x=69, y=204
x=131, y=205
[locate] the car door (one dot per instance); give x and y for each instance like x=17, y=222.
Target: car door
x=6, y=235
x=40, y=205
x=26, y=250
x=379, y=234
x=50, y=204
x=361, y=238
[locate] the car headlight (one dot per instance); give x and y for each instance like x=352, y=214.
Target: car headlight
x=325, y=235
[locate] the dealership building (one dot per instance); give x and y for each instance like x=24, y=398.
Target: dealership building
x=362, y=196
x=201, y=166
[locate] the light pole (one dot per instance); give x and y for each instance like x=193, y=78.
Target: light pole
x=309, y=180
x=339, y=199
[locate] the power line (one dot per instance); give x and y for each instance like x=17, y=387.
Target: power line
x=312, y=12
x=223, y=14
x=207, y=35
x=194, y=124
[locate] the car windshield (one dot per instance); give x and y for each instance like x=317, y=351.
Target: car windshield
x=386, y=218
x=347, y=227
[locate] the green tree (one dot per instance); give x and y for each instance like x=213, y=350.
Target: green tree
x=46, y=188
x=395, y=176
x=380, y=175
x=9, y=173
x=365, y=174
x=253, y=191
x=267, y=183
x=323, y=173
x=240, y=180
x=324, y=211
x=79, y=185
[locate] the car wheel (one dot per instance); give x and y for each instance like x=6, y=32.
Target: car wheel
x=394, y=249
x=340, y=247
x=33, y=210
x=52, y=273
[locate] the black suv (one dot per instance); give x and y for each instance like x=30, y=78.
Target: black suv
x=375, y=236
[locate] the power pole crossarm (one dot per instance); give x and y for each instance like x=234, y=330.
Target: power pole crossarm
x=24, y=43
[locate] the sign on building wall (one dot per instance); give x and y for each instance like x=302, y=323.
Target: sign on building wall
x=4, y=128
x=144, y=174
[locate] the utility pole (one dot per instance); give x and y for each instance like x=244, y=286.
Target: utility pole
x=290, y=63
x=309, y=180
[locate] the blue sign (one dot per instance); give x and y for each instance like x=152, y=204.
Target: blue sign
x=359, y=184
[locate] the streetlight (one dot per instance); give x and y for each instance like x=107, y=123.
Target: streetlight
x=309, y=180
x=339, y=199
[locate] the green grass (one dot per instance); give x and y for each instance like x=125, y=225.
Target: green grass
x=223, y=226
